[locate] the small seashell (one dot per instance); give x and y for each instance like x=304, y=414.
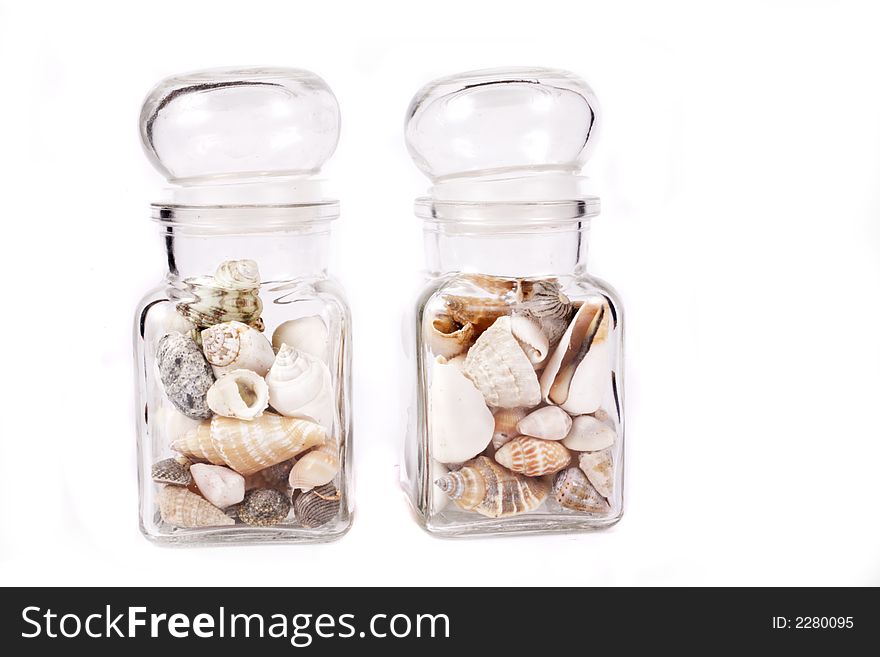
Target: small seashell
x=573, y=491
x=237, y=275
x=506, y=420
x=231, y=294
x=241, y=394
x=318, y=506
x=491, y=490
x=501, y=370
x=480, y=312
x=549, y=423
x=316, y=468
x=599, y=468
x=185, y=374
x=181, y=507
x=533, y=457
x=249, y=446
x=235, y=346
x=543, y=301
x=589, y=434
x=221, y=486
x=263, y=507
x=577, y=374
x=460, y=423
x=300, y=386
x=448, y=338
x=306, y=334
x=172, y=471
x=531, y=339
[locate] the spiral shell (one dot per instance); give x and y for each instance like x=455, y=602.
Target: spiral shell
x=235, y=346
x=231, y=294
x=263, y=507
x=533, y=457
x=172, y=471
x=249, y=446
x=318, y=506
x=491, y=490
x=300, y=386
x=237, y=275
x=446, y=337
x=307, y=334
x=572, y=490
x=181, y=507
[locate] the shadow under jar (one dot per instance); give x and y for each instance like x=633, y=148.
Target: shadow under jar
x=243, y=352
x=519, y=417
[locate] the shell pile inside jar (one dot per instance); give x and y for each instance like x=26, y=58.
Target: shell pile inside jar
x=252, y=423
x=521, y=380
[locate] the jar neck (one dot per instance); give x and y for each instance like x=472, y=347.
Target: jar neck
x=511, y=251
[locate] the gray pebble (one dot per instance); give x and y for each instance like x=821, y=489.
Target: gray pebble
x=185, y=374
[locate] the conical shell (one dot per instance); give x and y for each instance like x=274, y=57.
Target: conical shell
x=491, y=490
x=300, y=386
x=533, y=457
x=249, y=446
x=306, y=334
x=573, y=491
x=318, y=506
x=549, y=423
x=501, y=370
x=589, y=434
x=506, y=420
x=599, y=468
x=459, y=422
x=183, y=508
x=446, y=337
x=578, y=373
x=236, y=346
x=241, y=394
x=316, y=467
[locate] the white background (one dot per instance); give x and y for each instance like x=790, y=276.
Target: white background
x=738, y=165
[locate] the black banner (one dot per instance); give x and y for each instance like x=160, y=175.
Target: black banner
x=400, y=621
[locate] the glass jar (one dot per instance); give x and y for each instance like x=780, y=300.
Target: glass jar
x=518, y=422
x=243, y=352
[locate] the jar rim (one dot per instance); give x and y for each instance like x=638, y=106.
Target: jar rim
x=507, y=213
x=230, y=218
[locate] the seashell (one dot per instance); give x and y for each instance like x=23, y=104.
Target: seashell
x=491, y=490
x=576, y=376
x=237, y=275
x=241, y=394
x=501, y=370
x=599, y=468
x=263, y=507
x=276, y=475
x=316, y=468
x=549, y=423
x=494, y=284
x=221, y=486
x=300, y=386
x=173, y=471
x=181, y=507
x=318, y=506
x=506, y=420
x=543, y=298
x=460, y=423
x=235, y=346
x=533, y=457
x=530, y=338
x=249, y=446
x=573, y=491
x=185, y=374
x=480, y=312
x=589, y=434
x=448, y=338
x=307, y=334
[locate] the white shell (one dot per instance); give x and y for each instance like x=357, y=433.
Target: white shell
x=307, y=334
x=235, y=346
x=242, y=394
x=439, y=499
x=549, y=423
x=315, y=468
x=589, y=434
x=531, y=338
x=460, y=423
x=500, y=368
x=576, y=379
x=300, y=386
x=221, y=486
x=599, y=469
x=237, y=275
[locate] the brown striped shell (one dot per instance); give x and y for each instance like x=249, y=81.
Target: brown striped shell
x=318, y=506
x=182, y=508
x=533, y=457
x=491, y=490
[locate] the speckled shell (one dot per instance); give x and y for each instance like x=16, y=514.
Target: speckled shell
x=263, y=507
x=181, y=507
x=236, y=346
x=491, y=490
x=318, y=506
x=207, y=303
x=533, y=457
x=249, y=446
x=173, y=471
x=185, y=374
x=599, y=468
x=572, y=490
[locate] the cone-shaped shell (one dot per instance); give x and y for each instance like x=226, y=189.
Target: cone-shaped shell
x=589, y=434
x=533, y=457
x=549, y=423
x=501, y=370
x=249, y=446
x=573, y=491
x=491, y=490
x=182, y=508
x=599, y=468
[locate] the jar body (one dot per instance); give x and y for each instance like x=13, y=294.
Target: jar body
x=241, y=439
x=519, y=423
